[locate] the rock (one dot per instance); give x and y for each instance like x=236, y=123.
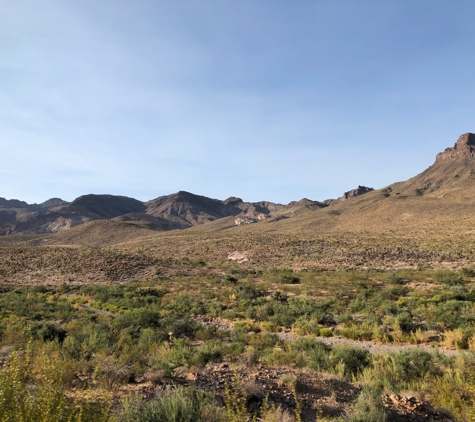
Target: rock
x=243, y=221
x=238, y=257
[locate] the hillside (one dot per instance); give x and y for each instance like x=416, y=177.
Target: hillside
x=440, y=199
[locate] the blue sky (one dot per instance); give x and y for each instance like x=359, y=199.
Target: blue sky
x=265, y=100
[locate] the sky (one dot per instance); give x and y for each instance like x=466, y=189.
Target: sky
x=264, y=100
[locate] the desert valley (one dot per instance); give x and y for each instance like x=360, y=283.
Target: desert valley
x=187, y=308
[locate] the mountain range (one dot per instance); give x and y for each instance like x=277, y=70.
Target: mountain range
x=442, y=194
x=180, y=210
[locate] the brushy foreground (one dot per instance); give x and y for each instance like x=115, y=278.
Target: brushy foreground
x=211, y=345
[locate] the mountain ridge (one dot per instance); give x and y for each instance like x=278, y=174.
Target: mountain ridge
x=451, y=176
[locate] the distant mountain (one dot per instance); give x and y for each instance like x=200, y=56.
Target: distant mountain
x=12, y=203
x=56, y=215
x=104, y=206
x=188, y=210
x=445, y=192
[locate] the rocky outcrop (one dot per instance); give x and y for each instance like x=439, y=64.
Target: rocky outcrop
x=453, y=170
x=463, y=148
x=360, y=190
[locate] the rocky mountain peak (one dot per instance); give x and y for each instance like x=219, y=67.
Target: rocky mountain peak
x=463, y=148
x=232, y=200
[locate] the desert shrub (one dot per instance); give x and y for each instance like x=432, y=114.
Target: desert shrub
x=317, y=354
x=176, y=405
x=140, y=318
x=305, y=305
x=183, y=327
x=448, y=278
x=206, y=332
x=269, y=327
x=305, y=325
x=234, y=349
x=405, y=320
x=354, y=359
x=84, y=341
x=198, y=263
x=230, y=279
x=113, y=369
x=32, y=389
x=357, y=305
x=246, y=326
x=262, y=341
x=353, y=331
x=207, y=353
x=455, y=339
x=344, y=318
x=468, y=271
x=325, y=332
x=449, y=314
x=287, y=279
x=401, y=371
x=455, y=389
x=284, y=318
x=149, y=337
x=278, y=296
x=284, y=357
x=393, y=293
x=246, y=292
x=185, y=304
x=46, y=331
x=413, y=364
x=368, y=408
x=395, y=278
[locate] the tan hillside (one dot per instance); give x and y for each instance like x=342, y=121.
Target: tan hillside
x=101, y=233
x=440, y=199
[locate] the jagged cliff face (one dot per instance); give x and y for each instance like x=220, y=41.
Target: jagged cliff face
x=464, y=148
